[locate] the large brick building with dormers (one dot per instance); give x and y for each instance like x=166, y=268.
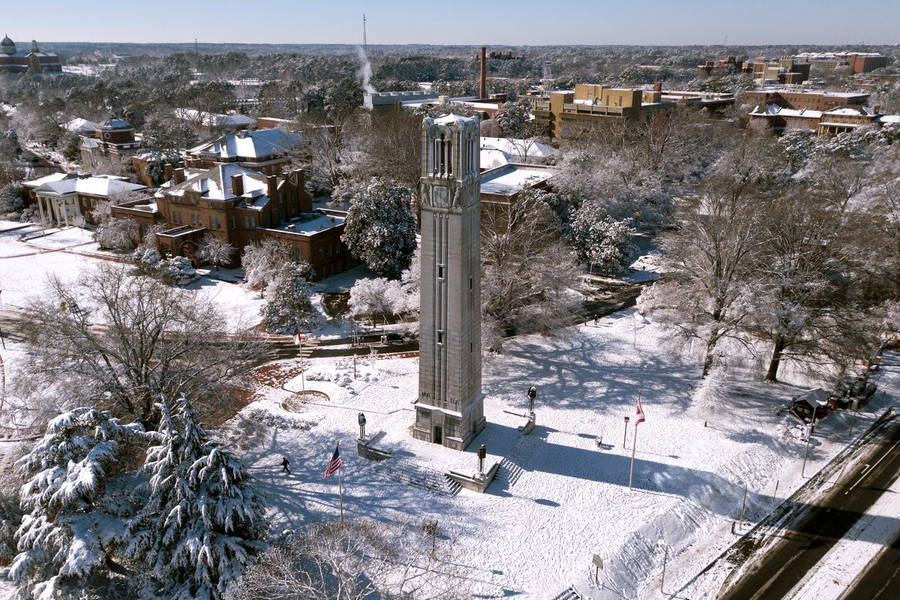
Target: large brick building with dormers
x=31, y=61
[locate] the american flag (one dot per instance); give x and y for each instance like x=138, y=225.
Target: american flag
x=640, y=414
x=335, y=462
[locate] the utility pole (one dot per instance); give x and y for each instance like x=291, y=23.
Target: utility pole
x=365, y=45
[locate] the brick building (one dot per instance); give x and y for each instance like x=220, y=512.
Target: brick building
x=241, y=206
x=803, y=99
x=824, y=122
x=114, y=137
x=264, y=150
x=31, y=61
x=769, y=72
x=501, y=186
x=718, y=68
x=859, y=62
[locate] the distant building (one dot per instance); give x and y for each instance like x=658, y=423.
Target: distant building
x=214, y=122
x=242, y=206
x=394, y=101
x=114, y=137
x=564, y=112
x=66, y=199
x=32, y=61
x=859, y=62
x=497, y=152
x=824, y=122
x=774, y=72
x=803, y=99
x=264, y=150
x=723, y=66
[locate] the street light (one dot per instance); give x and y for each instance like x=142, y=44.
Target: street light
x=625, y=437
x=482, y=453
x=362, y=426
x=532, y=392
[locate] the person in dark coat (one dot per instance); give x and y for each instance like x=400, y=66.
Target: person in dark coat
x=285, y=465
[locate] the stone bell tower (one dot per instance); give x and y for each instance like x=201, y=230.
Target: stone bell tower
x=450, y=408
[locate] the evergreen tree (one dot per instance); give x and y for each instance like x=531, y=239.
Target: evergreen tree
x=380, y=229
x=202, y=521
x=65, y=535
x=288, y=307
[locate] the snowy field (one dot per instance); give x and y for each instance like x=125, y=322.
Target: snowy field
x=562, y=494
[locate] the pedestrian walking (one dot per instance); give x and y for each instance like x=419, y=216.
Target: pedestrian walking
x=285, y=465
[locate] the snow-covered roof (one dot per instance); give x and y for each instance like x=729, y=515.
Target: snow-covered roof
x=250, y=144
x=115, y=123
x=320, y=222
x=828, y=94
x=496, y=152
x=850, y=111
x=34, y=183
x=94, y=185
x=512, y=178
x=216, y=184
x=771, y=110
x=215, y=120
x=79, y=125
x=889, y=118
x=453, y=118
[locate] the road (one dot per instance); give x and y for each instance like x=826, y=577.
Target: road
x=881, y=581
x=810, y=536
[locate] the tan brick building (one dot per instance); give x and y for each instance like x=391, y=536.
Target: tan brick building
x=565, y=111
x=804, y=99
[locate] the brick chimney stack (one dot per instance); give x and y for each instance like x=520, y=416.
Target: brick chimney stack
x=482, y=93
x=237, y=184
x=167, y=171
x=272, y=186
x=178, y=175
x=657, y=87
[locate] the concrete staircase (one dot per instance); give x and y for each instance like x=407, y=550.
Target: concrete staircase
x=411, y=474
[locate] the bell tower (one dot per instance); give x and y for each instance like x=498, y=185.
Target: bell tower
x=450, y=407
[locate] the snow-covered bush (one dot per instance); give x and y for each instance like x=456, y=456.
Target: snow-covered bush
x=177, y=270
x=288, y=307
x=10, y=514
x=380, y=230
x=147, y=260
x=276, y=421
x=202, y=521
x=70, y=504
x=11, y=199
x=116, y=234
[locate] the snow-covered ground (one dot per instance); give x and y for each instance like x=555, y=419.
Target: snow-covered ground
x=562, y=494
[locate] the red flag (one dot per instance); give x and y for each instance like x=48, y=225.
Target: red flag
x=297, y=338
x=335, y=463
x=640, y=414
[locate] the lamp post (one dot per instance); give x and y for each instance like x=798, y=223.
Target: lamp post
x=482, y=453
x=532, y=393
x=625, y=436
x=362, y=426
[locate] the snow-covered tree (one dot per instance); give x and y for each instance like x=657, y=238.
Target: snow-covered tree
x=601, y=240
x=177, y=270
x=215, y=251
x=378, y=297
x=379, y=228
x=513, y=120
x=11, y=199
x=68, y=530
x=261, y=262
x=288, y=306
x=203, y=518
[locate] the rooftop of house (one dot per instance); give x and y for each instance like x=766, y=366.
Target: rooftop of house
x=828, y=94
x=496, y=152
x=262, y=143
x=52, y=177
x=91, y=185
x=233, y=121
x=314, y=222
x=79, y=125
x=512, y=178
x=115, y=123
x=216, y=184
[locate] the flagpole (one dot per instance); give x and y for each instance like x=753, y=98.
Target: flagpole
x=341, y=493
x=633, y=447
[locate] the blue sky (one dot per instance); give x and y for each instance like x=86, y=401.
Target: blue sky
x=457, y=21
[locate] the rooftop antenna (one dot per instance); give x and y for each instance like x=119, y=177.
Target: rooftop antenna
x=365, y=46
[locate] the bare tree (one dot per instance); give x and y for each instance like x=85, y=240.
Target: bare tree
x=124, y=341
x=355, y=560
